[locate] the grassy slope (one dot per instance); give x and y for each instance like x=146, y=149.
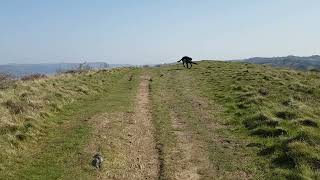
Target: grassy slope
x=252, y=120
x=271, y=113
x=50, y=150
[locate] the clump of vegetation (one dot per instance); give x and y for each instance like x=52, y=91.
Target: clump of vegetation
x=288, y=115
x=259, y=120
x=308, y=122
x=6, y=81
x=32, y=77
x=15, y=107
x=268, y=132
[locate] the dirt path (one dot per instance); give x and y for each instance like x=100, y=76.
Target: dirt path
x=143, y=146
x=126, y=140
x=193, y=156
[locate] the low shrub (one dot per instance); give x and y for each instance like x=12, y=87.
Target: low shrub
x=32, y=77
x=6, y=80
x=14, y=107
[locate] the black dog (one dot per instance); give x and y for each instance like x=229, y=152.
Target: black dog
x=188, y=61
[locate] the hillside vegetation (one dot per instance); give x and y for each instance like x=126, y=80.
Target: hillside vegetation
x=275, y=112
x=224, y=120
x=43, y=121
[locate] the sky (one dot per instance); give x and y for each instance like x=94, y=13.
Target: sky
x=155, y=31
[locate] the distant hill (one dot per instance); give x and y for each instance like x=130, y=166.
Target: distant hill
x=295, y=62
x=27, y=69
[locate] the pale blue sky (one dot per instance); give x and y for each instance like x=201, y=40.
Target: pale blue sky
x=150, y=31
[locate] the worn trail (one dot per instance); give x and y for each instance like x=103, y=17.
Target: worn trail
x=127, y=140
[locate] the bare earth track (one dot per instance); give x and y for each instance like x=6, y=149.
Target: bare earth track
x=127, y=140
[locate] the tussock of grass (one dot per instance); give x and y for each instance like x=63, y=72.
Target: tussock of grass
x=259, y=120
x=309, y=122
x=309, y=137
x=15, y=107
x=268, y=132
x=287, y=115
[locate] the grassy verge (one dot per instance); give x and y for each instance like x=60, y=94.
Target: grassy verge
x=57, y=154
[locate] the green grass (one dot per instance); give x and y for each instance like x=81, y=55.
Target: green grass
x=174, y=90
x=274, y=113
x=54, y=153
x=266, y=105
x=165, y=137
x=250, y=119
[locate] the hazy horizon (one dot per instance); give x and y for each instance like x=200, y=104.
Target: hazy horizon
x=152, y=32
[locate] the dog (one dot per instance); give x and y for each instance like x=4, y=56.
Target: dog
x=97, y=161
x=187, y=60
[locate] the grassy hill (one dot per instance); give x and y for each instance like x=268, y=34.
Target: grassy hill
x=219, y=119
